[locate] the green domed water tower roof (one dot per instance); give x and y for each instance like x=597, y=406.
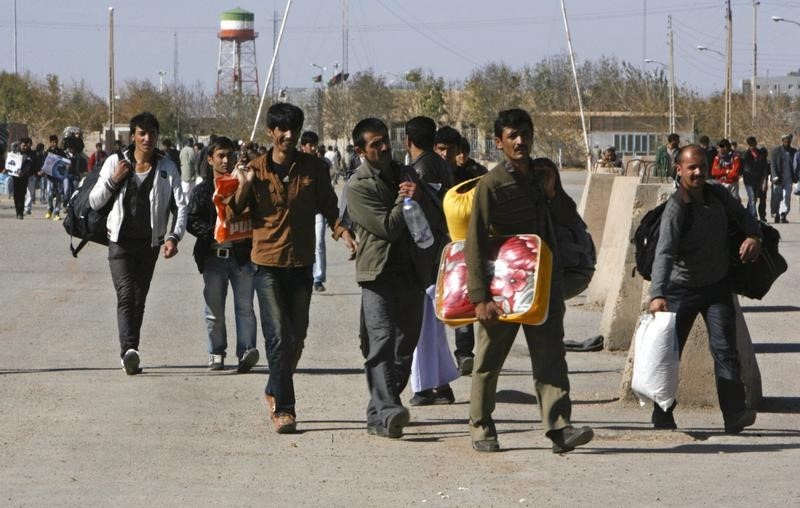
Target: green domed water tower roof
x=237, y=14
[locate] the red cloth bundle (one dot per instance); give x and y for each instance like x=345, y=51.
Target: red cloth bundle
x=229, y=228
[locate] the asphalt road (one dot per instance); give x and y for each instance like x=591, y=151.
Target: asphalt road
x=76, y=431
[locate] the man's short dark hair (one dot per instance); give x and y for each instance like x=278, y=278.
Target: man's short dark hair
x=219, y=144
x=687, y=148
x=463, y=146
x=285, y=116
x=703, y=140
x=26, y=140
x=673, y=137
x=513, y=118
x=751, y=141
x=146, y=121
x=98, y=145
x=167, y=142
x=446, y=135
x=53, y=137
x=309, y=137
x=421, y=131
x=364, y=126
x=724, y=143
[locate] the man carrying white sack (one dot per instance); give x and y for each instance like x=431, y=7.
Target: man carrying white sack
x=689, y=277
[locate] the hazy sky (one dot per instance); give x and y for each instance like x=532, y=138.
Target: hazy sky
x=449, y=37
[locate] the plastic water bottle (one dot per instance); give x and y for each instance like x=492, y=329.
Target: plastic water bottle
x=417, y=223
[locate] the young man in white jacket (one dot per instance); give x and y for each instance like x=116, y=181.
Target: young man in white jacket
x=145, y=187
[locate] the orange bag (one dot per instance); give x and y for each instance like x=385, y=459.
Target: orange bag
x=457, y=206
x=229, y=228
x=521, y=267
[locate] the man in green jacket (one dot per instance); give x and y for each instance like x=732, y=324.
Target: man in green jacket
x=514, y=199
x=391, y=270
x=665, y=157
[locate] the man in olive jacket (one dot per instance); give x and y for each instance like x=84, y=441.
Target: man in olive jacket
x=513, y=199
x=391, y=270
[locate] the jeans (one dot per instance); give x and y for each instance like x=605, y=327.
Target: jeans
x=284, y=296
x=715, y=303
x=752, y=196
x=53, y=195
x=216, y=275
x=392, y=311
x=67, y=187
x=132, y=263
x=465, y=341
x=20, y=185
x=30, y=196
x=781, y=201
x=320, y=260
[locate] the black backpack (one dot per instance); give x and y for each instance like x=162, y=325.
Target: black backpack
x=578, y=256
x=83, y=222
x=645, y=240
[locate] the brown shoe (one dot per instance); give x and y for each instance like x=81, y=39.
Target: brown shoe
x=284, y=423
x=270, y=404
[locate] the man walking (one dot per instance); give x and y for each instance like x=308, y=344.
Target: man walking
x=755, y=172
x=187, y=157
x=665, y=157
x=513, y=199
x=690, y=277
x=221, y=264
x=283, y=190
x=391, y=270
x=145, y=188
x=432, y=169
x=783, y=175
x=727, y=167
x=309, y=141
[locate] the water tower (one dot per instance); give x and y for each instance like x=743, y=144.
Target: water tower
x=237, y=71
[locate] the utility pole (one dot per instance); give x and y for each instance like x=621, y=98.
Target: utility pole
x=755, y=59
x=644, y=31
x=14, y=37
x=276, y=75
x=111, y=118
x=672, y=126
x=588, y=153
x=175, y=59
x=345, y=36
x=728, y=69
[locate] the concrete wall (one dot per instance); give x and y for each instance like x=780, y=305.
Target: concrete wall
x=594, y=204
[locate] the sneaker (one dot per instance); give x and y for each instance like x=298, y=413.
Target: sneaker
x=56, y=217
x=216, y=362
x=27, y=212
x=130, y=362
x=47, y=215
x=247, y=361
x=285, y=423
x=486, y=445
x=443, y=395
x=744, y=419
x=567, y=439
x=20, y=216
x=465, y=365
x=319, y=287
x=423, y=398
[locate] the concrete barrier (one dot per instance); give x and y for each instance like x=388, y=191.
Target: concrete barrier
x=593, y=206
x=615, y=238
x=697, y=386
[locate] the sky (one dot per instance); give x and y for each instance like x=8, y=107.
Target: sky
x=448, y=37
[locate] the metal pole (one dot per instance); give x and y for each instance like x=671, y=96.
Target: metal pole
x=271, y=67
x=577, y=87
x=644, y=31
x=728, y=71
x=755, y=59
x=14, y=37
x=111, y=94
x=345, y=35
x=672, y=127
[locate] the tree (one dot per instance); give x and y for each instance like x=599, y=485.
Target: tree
x=489, y=89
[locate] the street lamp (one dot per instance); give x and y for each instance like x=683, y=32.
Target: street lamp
x=671, y=91
x=161, y=75
x=728, y=87
x=778, y=18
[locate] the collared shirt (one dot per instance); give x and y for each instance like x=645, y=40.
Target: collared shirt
x=284, y=208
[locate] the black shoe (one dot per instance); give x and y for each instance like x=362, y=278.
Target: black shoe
x=663, y=420
x=465, y=364
x=737, y=424
x=783, y=219
x=423, y=398
x=319, y=287
x=443, y=395
x=394, y=425
x=19, y=216
x=248, y=360
x=486, y=445
x=567, y=439
x=777, y=219
x=130, y=362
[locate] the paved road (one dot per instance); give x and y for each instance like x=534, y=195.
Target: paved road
x=75, y=430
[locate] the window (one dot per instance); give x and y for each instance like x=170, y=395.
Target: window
x=635, y=144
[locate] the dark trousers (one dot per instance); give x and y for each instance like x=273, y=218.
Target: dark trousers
x=132, y=263
x=392, y=313
x=284, y=296
x=20, y=189
x=465, y=341
x=715, y=304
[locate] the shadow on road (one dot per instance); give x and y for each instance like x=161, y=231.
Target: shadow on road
x=770, y=308
x=776, y=347
x=789, y=405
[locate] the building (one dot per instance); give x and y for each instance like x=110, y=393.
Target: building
x=788, y=85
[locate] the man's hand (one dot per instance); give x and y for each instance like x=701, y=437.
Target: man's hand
x=488, y=312
x=121, y=171
x=409, y=189
x=351, y=245
x=170, y=248
x=750, y=249
x=658, y=305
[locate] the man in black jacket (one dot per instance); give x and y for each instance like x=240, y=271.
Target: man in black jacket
x=220, y=264
x=755, y=170
x=783, y=176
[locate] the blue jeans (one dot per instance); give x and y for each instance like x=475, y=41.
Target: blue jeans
x=320, y=260
x=216, y=275
x=67, y=187
x=752, y=195
x=284, y=296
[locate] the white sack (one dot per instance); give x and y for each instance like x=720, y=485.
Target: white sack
x=655, y=360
